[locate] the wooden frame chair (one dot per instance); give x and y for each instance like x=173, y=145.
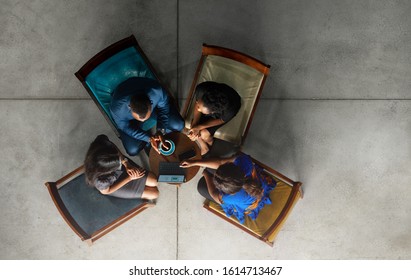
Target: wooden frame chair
x=244, y=73
x=272, y=217
x=90, y=214
x=106, y=70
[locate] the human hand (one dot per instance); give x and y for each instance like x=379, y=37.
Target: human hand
x=193, y=133
x=185, y=130
x=155, y=142
x=187, y=164
x=135, y=172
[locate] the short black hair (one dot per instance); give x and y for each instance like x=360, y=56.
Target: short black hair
x=140, y=104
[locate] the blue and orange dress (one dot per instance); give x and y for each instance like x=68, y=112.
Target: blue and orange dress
x=241, y=203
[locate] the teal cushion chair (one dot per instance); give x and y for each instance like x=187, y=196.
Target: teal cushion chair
x=112, y=66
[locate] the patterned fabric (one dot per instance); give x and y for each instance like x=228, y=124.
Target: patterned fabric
x=241, y=203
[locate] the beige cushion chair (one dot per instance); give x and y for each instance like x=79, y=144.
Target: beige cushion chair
x=89, y=213
x=245, y=74
x=272, y=217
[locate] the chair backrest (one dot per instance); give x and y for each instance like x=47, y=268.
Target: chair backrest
x=245, y=74
x=112, y=66
x=89, y=213
x=272, y=217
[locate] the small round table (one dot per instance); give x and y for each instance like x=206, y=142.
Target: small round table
x=183, y=144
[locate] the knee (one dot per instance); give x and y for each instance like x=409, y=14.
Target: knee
x=133, y=150
x=177, y=125
x=151, y=180
x=151, y=193
x=205, y=134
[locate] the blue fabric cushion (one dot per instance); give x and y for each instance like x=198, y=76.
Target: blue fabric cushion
x=104, y=79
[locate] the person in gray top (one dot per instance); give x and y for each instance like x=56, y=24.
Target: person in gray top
x=110, y=172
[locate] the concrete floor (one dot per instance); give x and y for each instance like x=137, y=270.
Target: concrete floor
x=335, y=114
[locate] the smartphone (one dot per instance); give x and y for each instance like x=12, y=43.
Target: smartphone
x=187, y=154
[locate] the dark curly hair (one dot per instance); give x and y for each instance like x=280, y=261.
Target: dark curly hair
x=214, y=96
x=229, y=178
x=102, y=160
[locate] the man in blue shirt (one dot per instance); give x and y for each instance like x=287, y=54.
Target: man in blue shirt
x=137, y=104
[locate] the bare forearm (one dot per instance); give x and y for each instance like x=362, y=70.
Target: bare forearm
x=212, y=163
x=209, y=123
x=118, y=185
x=196, y=118
x=212, y=190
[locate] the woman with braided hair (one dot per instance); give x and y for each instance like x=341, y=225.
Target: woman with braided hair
x=216, y=104
x=236, y=183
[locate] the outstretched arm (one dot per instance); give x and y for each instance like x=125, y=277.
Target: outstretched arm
x=207, y=124
x=212, y=163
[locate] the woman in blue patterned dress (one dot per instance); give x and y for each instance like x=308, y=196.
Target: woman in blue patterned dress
x=236, y=183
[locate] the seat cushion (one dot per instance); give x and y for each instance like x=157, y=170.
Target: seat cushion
x=104, y=79
x=91, y=209
x=241, y=77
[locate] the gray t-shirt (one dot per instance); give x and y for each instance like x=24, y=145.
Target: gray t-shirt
x=104, y=182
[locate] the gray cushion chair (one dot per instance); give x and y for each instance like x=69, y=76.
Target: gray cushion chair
x=90, y=214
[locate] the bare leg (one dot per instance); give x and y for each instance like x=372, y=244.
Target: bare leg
x=151, y=191
x=207, y=137
x=203, y=146
x=151, y=180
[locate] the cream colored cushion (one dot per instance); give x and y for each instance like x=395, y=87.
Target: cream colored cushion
x=244, y=79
